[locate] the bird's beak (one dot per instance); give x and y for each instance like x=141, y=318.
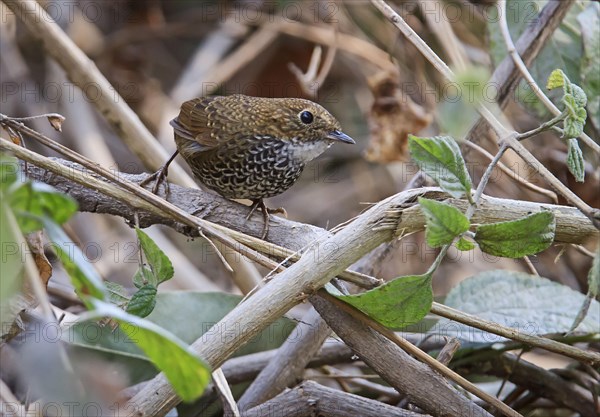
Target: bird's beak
x=340, y=136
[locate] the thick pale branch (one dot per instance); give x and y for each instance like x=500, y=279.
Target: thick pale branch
x=312, y=399
x=571, y=225
x=325, y=259
x=423, y=387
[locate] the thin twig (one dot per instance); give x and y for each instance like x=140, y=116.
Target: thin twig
x=549, y=125
x=438, y=309
x=152, y=202
x=419, y=354
x=83, y=72
x=550, y=194
x=512, y=50
x=530, y=266
x=343, y=42
x=485, y=179
x=514, y=334
x=504, y=135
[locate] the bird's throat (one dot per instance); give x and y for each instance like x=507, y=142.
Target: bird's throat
x=307, y=151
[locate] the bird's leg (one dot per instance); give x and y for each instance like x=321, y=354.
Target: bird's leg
x=266, y=212
x=260, y=203
x=160, y=175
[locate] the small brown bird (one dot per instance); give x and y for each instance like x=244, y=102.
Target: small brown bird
x=253, y=147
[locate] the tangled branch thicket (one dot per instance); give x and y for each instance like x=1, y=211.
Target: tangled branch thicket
x=121, y=75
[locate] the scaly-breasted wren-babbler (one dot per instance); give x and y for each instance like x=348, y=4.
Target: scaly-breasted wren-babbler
x=253, y=147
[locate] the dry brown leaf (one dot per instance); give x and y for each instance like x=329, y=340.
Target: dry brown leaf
x=36, y=245
x=56, y=120
x=394, y=115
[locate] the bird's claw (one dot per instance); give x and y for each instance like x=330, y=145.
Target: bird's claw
x=266, y=212
x=278, y=210
x=158, y=177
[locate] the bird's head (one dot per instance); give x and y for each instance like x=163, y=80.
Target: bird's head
x=300, y=120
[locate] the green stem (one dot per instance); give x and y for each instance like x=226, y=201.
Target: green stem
x=485, y=179
x=473, y=202
x=542, y=128
x=438, y=260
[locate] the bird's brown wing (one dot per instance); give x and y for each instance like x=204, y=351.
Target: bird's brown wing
x=193, y=122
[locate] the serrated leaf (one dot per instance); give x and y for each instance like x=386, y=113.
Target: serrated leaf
x=117, y=294
x=186, y=371
x=517, y=238
x=574, y=99
x=530, y=304
x=160, y=264
x=575, y=160
x=444, y=222
x=574, y=124
x=84, y=277
x=578, y=95
x=556, y=79
x=440, y=158
x=142, y=277
x=396, y=304
x=32, y=201
x=464, y=245
x=575, y=109
x=143, y=301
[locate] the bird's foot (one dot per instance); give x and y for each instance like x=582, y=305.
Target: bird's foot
x=159, y=176
x=266, y=212
x=278, y=210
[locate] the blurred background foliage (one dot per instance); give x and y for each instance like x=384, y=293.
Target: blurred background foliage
x=158, y=53
x=344, y=55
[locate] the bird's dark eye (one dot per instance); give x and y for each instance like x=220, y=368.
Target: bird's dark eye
x=306, y=117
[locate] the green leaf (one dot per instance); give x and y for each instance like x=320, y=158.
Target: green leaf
x=143, y=301
x=517, y=238
x=142, y=277
x=556, y=79
x=32, y=201
x=579, y=96
x=530, y=304
x=186, y=314
x=575, y=121
x=84, y=277
x=186, y=371
x=589, y=21
x=440, y=158
x=396, y=304
x=160, y=264
x=444, y=222
x=574, y=99
x=464, y=245
x=575, y=160
x=117, y=295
